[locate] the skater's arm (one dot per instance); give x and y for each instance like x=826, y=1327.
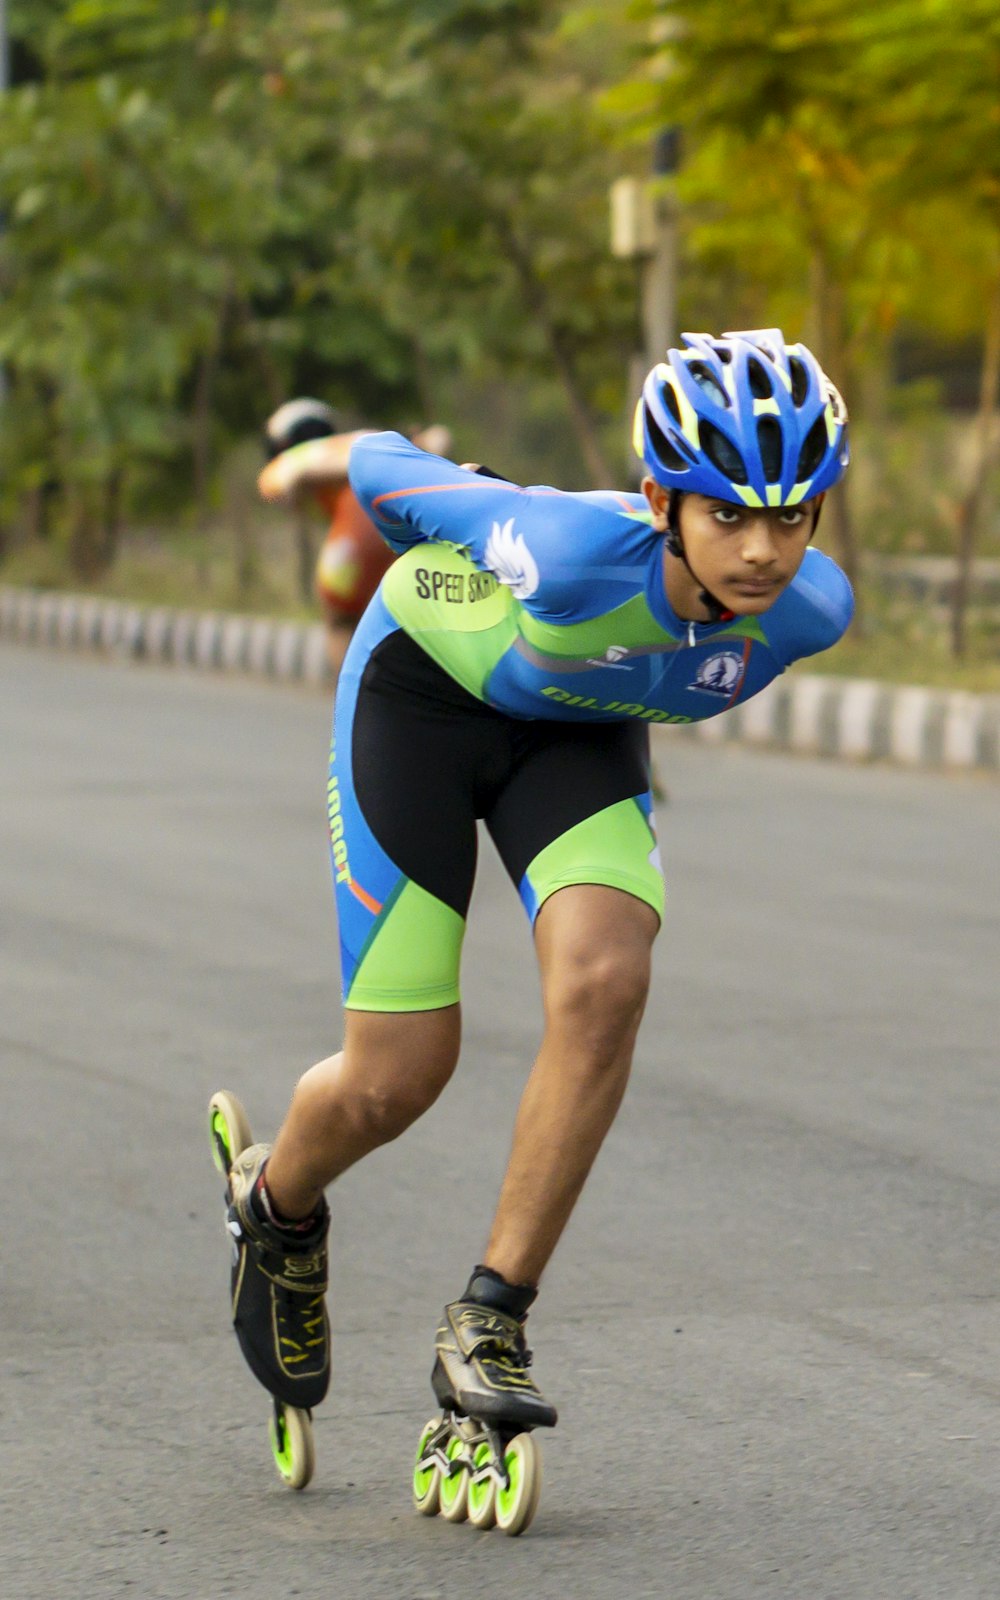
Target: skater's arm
x=315, y=464
x=813, y=613
x=555, y=551
x=414, y=497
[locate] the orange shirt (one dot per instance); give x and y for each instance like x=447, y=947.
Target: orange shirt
x=353, y=557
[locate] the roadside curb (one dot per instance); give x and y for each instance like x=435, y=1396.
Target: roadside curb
x=861, y=719
x=205, y=640
x=845, y=718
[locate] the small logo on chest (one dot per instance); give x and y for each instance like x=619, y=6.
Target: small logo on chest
x=720, y=674
x=614, y=656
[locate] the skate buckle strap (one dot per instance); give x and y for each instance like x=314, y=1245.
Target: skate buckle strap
x=477, y=1326
x=297, y=1275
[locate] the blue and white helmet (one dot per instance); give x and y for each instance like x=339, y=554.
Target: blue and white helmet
x=746, y=418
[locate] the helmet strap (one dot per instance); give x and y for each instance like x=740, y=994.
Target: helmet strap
x=717, y=612
x=672, y=538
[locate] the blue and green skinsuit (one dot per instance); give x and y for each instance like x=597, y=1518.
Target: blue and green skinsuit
x=538, y=607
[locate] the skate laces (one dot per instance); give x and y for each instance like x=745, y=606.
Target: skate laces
x=511, y=1353
x=301, y=1328
x=299, y=1307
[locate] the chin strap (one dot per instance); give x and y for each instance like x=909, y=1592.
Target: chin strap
x=717, y=612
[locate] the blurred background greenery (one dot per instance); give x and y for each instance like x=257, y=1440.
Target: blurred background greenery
x=402, y=207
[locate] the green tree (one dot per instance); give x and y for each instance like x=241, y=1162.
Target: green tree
x=157, y=246
x=825, y=145
x=934, y=69
x=478, y=180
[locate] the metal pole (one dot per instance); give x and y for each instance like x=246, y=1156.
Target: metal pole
x=4, y=86
x=659, y=285
x=657, y=307
x=659, y=291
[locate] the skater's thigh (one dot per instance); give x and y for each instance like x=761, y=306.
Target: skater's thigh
x=577, y=810
x=402, y=832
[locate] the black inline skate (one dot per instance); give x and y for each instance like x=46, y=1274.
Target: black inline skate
x=478, y=1459
x=278, y=1285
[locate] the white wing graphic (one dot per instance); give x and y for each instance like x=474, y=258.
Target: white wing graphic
x=510, y=560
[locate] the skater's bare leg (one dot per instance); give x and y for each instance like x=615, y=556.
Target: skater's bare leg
x=593, y=947
x=391, y=1070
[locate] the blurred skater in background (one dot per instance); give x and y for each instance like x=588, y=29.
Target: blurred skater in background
x=307, y=447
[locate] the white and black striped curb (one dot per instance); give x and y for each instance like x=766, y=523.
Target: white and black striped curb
x=205, y=639
x=863, y=720
x=849, y=718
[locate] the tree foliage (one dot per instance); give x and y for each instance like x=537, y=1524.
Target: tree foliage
x=209, y=206
x=842, y=172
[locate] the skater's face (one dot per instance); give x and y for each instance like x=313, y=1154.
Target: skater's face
x=744, y=556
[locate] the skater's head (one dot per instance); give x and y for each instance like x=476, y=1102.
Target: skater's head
x=728, y=559
x=298, y=421
x=741, y=437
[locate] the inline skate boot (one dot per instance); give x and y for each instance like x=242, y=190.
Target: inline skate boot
x=478, y=1460
x=278, y=1285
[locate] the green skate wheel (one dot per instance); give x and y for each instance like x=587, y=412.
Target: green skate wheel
x=516, y=1505
x=292, y=1445
x=427, y=1480
x=454, y=1500
x=482, y=1491
x=228, y=1129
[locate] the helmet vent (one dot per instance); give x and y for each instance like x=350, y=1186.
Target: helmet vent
x=671, y=402
x=770, y=445
x=761, y=386
x=664, y=453
x=722, y=453
x=708, y=383
x=813, y=450
x=836, y=400
x=800, y=380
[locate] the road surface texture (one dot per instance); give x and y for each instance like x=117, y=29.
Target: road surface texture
x=772, y=1328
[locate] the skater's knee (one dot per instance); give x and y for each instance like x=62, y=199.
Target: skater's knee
x=382, y=1112
x=598, y=993
x=383, y=1101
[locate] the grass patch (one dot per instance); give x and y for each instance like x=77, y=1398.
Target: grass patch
x=906, y=641
x=186, y=575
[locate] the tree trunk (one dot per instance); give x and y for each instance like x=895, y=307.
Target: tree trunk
x=37, y=506
x=95, y=527
x=247, y=558
x=247, y=328
x=112, y=515
x=86, y=537
x=828, y=340
x=201, y=422
x=201, y=411
x=563, y=357
x=971, y=507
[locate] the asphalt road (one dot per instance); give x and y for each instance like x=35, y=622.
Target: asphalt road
x=772, y=1328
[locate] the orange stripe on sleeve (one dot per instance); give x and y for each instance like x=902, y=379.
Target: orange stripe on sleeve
x=434, y=488
x=444, y=488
